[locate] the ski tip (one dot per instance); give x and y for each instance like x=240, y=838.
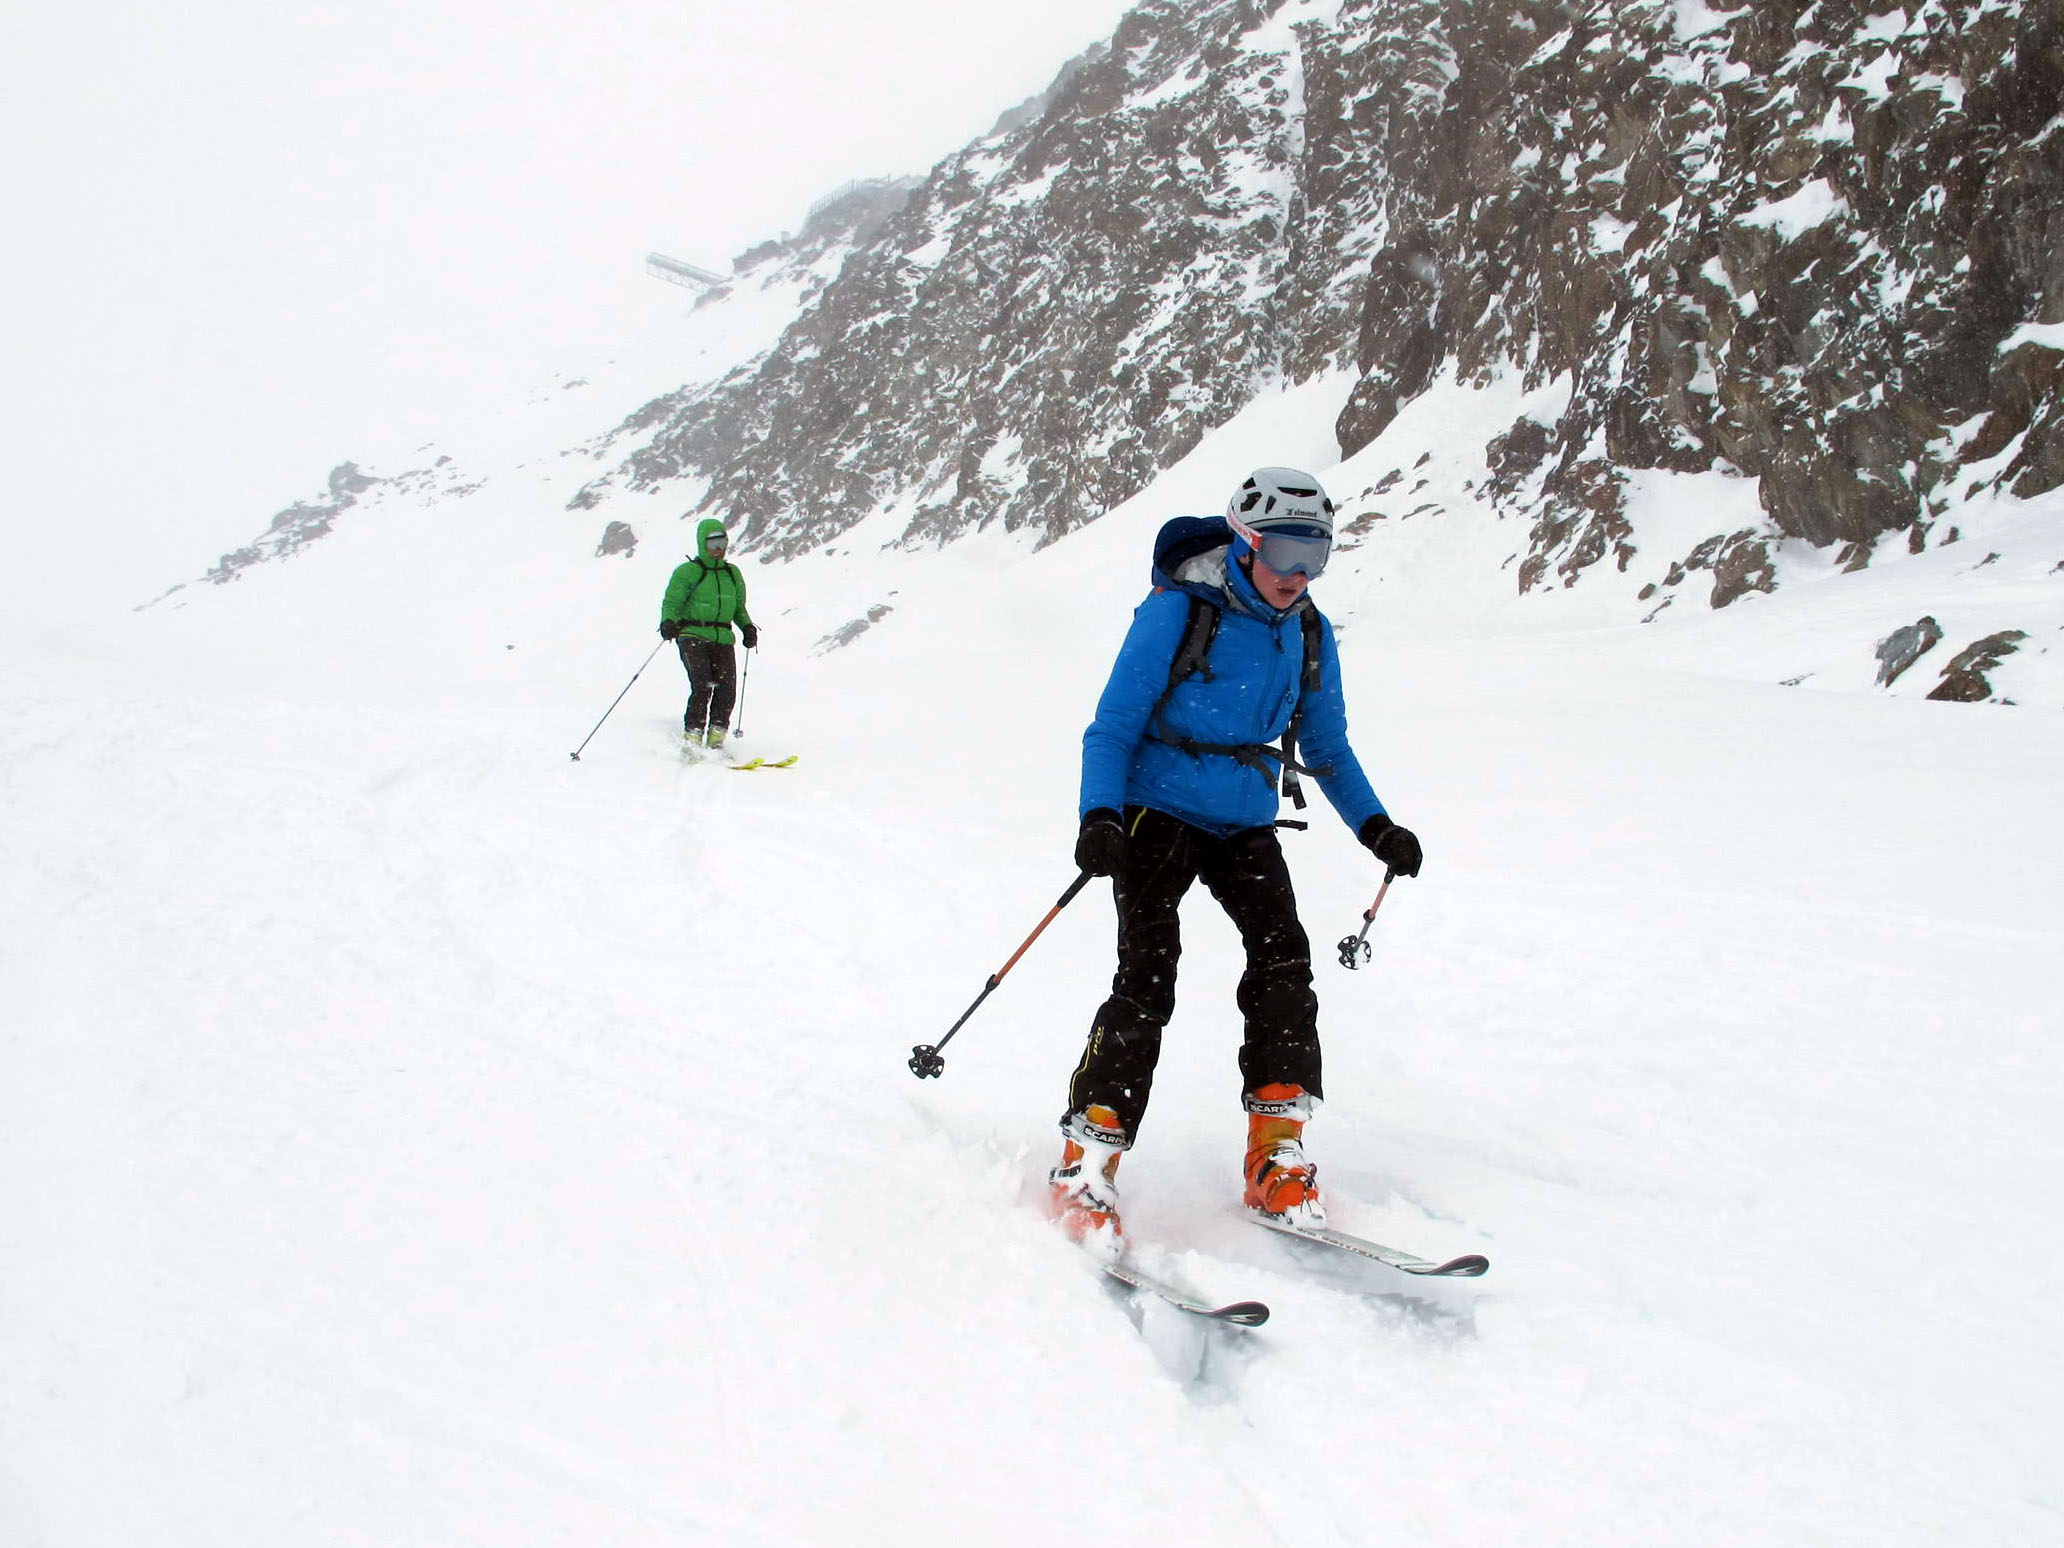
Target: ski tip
x=1244, y=1314
x=1468, y=1266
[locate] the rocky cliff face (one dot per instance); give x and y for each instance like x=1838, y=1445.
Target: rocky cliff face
x=1803, y=241
x=1817, y=244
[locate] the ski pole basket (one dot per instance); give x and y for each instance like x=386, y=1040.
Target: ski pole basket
x=1355, y=949
x=925, y=1061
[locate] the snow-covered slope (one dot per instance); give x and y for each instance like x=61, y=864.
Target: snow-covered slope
x=414, y=1136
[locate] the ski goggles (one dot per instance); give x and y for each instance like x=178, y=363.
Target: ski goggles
x=1289, y=550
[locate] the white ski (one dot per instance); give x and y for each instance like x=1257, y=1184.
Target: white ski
x=1468, y=1266
x=1245, y=1314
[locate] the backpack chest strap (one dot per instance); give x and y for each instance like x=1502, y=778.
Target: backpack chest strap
x=1192, y=659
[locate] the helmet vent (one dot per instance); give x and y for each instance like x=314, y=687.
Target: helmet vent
x=1275, y=496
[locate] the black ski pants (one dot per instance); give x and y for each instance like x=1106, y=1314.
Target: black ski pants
x=1246, y=873
x=712, y=682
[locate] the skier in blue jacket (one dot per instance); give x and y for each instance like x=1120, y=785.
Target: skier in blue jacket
x=1180, y=783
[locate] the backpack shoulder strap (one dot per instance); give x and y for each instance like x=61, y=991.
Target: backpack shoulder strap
x=1193, y=655
x=1314, y=646
x=1308, y=682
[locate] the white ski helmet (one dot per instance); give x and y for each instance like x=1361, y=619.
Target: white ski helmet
x=1284, y=516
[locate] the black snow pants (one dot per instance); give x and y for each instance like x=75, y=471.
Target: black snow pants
x=712, y=682
x=1247, y=875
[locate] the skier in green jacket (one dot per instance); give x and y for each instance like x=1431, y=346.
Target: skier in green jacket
x=705, y=597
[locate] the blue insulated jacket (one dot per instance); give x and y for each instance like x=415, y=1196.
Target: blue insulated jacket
x=1256, y=660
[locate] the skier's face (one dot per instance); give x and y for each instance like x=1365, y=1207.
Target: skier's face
x=1278, y=591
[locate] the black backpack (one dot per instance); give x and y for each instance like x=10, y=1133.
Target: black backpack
x=1178, y=542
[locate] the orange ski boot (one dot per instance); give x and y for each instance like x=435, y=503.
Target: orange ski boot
x=1280, y=1182
x=1084, y=1187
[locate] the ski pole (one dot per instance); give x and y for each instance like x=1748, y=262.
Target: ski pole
x=924, y=1058
x=575, y=754
x=744, y=677
x=1355, y=949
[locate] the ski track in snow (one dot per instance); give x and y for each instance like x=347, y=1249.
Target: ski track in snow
x=414, y=1136
x=442, y=1141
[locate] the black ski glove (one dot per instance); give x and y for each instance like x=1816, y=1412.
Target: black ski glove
x=750, y=633
x=1100, y=846
x=669, y=628
x=1398, y=848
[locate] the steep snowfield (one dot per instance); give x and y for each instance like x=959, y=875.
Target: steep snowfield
x=413, y=1136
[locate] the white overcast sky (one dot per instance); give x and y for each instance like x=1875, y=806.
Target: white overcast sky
x=242, y=234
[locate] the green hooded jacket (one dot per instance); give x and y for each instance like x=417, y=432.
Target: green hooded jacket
x=707, y=594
